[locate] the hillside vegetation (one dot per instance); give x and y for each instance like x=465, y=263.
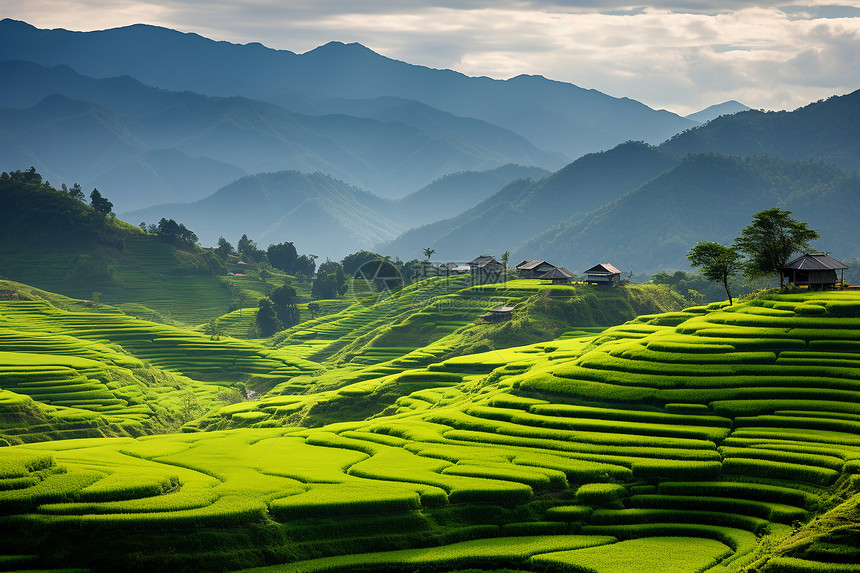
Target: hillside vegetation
x=69, y=372
x=55, y=242
x=715, y=439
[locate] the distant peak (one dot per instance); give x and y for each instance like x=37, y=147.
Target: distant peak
x=340, y=47
x=714, y=111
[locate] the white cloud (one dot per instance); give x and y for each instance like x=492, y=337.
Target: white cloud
x=680, y=55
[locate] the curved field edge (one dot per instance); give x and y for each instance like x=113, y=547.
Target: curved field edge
x=640, y=433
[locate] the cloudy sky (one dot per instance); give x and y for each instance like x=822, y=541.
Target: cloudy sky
x=681, y=55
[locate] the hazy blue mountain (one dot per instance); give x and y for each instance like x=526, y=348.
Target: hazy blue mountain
x=712, y=112
x=328, y=216
x=555, y=116
x=526, y=208
x=452, y=194
x=211, y=141
x=707, y=197
x=826, y=129
x=321, y=215
x=642, y=208
x=164, y=176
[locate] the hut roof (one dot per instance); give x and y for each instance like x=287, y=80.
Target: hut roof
x=557, y=273
x=533, y=263
x=503, y=309
x=482, y=260
x=603, y=268
x=814, y=262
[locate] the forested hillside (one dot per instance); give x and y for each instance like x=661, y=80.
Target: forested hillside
x=640, y=207
x=706, y=197
x=820, y=130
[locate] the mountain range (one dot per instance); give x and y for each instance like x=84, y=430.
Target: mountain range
x=341, y=149
x=641, y=207
x=131, y=140
x=554, y=116
x=323, y=214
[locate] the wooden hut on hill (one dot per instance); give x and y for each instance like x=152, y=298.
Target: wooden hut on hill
x=603, y=274
x=534, y=268
x=813, y=270
x=558, y=276
x=486, y=269
x=447, y=269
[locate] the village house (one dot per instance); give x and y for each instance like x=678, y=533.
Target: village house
x=603, y=274
x=534, y=268
x=486, y=269
x=558, y=276
x=447, y=269
x=813, y=270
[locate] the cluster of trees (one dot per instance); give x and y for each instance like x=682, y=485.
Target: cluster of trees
x=763, y=247
x=330, y=281
x=382, y=272
x=278, y=311
x=172, y=232
x=694, y=287
x=31, y=177
x=281, y=256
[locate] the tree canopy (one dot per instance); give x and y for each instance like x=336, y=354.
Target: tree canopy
x=770, y=241
x=718, y=262
x=100, y=203
x=330, y=281
x=283, y=256
x=285, y=299
x=175, y=233
x=267, y=318
x=351, y=263
x=248, y=250
x=224, y=248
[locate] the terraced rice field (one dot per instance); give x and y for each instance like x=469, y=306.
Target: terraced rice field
x=689, y=442
x=77, y=374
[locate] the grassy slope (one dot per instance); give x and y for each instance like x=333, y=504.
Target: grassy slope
x=377, y=349
x=70, y=372
x=712, y=427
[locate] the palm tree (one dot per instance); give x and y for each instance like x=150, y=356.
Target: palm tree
x=428, y=252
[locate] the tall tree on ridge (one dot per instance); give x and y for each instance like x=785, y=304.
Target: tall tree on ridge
x=717, y=261
x=770, y=241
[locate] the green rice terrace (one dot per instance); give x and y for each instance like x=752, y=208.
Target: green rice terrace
x=403, y=434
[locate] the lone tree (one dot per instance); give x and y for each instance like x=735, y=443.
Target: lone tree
x=267, y=318
x=718, y=262
x=224, y=248
x=428, y=252
x=283, y=256
x=770, y=241
x=285, y=299
x=100, y=203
